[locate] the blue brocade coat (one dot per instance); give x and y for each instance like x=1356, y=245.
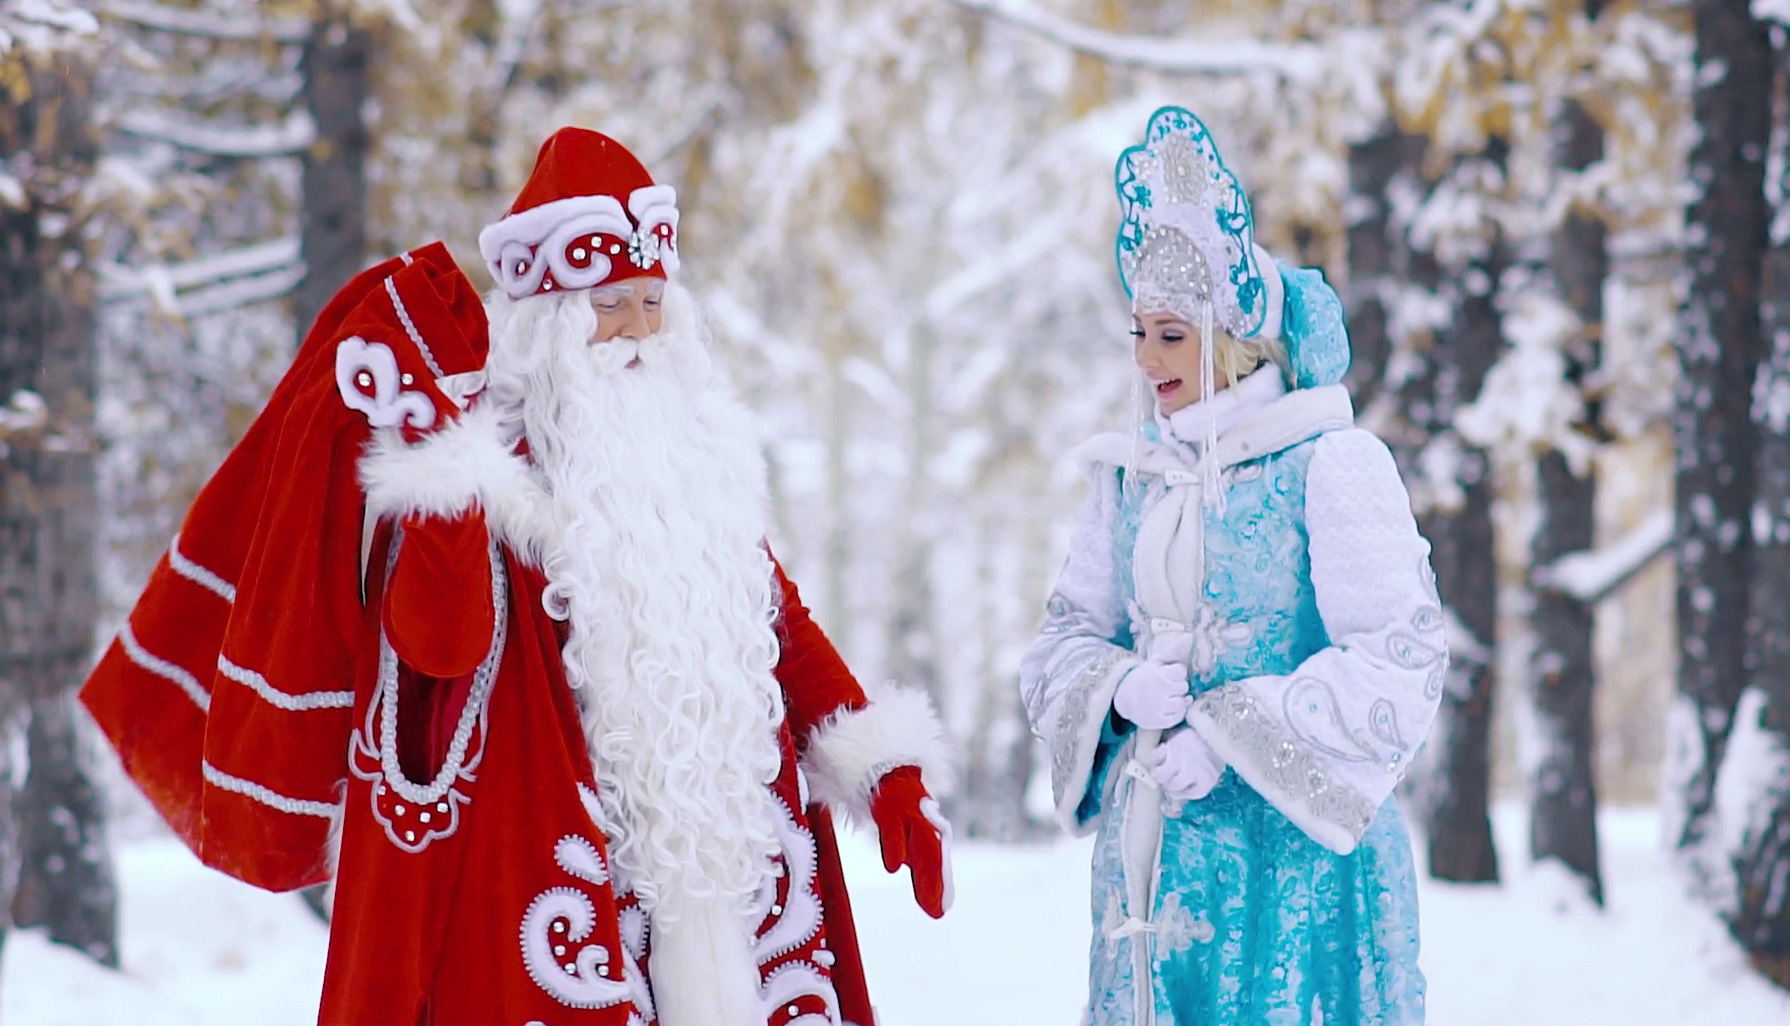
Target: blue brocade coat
x=1287, y=896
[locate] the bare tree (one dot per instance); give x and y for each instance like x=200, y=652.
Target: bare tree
x=1719, y=355
x=333, y=234
x=1562, y=670
x=1760, y=739
x=1378, y=253
x=1457, y=519
x=52, y=836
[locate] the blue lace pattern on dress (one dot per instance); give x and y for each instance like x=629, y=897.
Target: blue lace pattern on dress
x=1313, y=328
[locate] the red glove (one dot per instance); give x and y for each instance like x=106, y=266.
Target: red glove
x=439, y=609
x=914, y=832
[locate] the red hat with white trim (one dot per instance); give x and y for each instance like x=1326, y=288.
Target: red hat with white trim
x=589, y=215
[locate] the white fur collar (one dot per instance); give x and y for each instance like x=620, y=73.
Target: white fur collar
x=1282, y=423
x=1188, y=425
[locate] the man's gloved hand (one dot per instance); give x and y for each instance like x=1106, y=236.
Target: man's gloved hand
x=913, y=832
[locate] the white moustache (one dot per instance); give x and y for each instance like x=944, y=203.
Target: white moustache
x=614, y=355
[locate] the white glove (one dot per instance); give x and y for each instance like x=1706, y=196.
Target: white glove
x=1185, y=766
x=1155, y=696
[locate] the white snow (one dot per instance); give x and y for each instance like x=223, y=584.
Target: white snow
x=56, y=15
x=211, y=24
x=1526, y=403
x=1778, y=10
x=240, y=292
x=271, y=140
x=1298, y=62
x=202, y=950
x=199, y=948
x=1588, y=576
x=1754, y=777
x=118, y=281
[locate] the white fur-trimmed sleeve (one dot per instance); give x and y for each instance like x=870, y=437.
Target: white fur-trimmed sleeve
x=1327, y=743
x=1069, y=672
x=466, y=463
x=849, y=751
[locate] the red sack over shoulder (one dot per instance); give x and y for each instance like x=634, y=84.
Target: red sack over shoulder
x=228, y=693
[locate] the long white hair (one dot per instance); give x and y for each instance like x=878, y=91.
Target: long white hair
x=657, y=559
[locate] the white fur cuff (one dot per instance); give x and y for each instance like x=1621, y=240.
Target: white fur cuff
x=851, y=750
x=465, y=464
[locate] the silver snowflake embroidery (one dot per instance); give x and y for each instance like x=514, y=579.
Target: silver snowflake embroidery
x=1177, y=929
x=1212, y=637
x=1112, y=920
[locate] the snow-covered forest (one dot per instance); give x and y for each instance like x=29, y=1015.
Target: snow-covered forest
x=1560, y=228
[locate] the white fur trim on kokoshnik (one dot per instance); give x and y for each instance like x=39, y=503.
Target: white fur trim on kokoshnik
x=851, y=750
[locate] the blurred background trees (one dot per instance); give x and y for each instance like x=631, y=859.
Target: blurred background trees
x=898, y=214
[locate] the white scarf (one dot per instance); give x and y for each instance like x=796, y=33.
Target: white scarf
x=1224, y=411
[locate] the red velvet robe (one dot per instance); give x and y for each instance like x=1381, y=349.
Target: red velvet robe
x=265, y=693
x=510, y=845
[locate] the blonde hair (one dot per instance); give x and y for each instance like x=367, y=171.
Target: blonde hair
x=1234, y=359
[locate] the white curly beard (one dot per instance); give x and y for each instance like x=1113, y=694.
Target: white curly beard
x=656, y=557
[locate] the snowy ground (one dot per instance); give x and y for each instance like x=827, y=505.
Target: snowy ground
x=201, y=950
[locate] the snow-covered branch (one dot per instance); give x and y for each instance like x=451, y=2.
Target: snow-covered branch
x=192, y=22
x=1593, y=575
x=992, y=270
x=165, y=280
x=289, y=137
x=55, y=15
x=697, y=125
x=240, y=292
x=1295, y=61
x=45, y=26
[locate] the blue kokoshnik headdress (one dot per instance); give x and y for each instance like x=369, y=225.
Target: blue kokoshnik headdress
x=1186, y=246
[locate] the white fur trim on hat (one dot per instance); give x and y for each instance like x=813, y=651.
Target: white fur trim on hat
x=1277, y=295
x=523, y=247
x=851, y=750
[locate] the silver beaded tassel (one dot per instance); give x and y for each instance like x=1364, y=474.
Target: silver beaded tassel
x=1211, y=493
